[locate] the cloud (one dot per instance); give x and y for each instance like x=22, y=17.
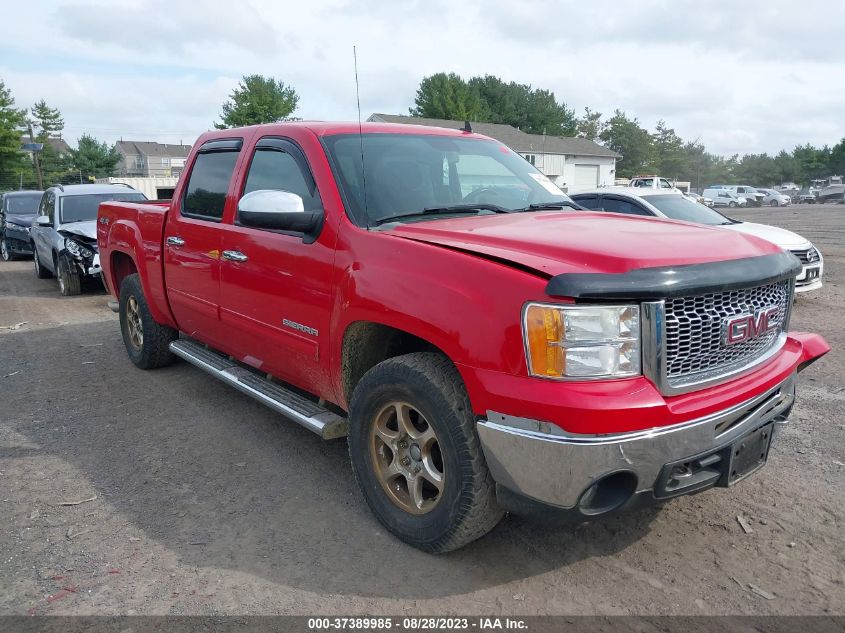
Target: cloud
x=743, y=77
x=171, y=27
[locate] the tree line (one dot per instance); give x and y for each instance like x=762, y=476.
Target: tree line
x=259, y=99
x=39, y=124
x=489, y=99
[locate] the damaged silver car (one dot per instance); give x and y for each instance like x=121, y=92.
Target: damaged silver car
x=64, y=233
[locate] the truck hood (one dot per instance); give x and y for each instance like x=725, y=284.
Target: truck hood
x=783, y=238
x=554, y=243
x=85, y=229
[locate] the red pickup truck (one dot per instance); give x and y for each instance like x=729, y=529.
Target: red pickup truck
x=482, y=342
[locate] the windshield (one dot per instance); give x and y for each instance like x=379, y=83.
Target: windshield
x=26, y=204
x=681, y=208
x=84, y=208
x=409, y=173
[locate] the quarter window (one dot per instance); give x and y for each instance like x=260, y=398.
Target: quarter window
x=205, y=195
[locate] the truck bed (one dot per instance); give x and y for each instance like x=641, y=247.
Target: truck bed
x=130, y=237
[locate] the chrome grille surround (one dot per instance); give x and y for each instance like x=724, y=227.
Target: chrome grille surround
x=808, y=255
x=683, y=338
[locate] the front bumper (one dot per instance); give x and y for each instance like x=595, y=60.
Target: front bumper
x=810, y=277
x=547, y=464
x=18, y=240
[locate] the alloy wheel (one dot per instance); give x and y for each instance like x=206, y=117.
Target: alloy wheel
x=133, y=323
x=405, y=454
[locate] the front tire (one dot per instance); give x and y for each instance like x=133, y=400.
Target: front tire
x=775, y=203
x=70, y=283
x=416, y=454
x=40, y=271
x=5, y=253
x=147, y=342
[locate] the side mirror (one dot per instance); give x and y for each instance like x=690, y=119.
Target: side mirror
x=280, y=210
x=44, y=220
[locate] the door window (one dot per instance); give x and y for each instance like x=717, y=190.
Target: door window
x=275, y=169
x=588, y=202
x=617, y=205
x=205, y=195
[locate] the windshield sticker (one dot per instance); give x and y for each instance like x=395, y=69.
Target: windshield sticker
x=547, y=184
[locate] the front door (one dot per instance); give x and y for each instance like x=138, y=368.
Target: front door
x=276, y=294
x=192, y=242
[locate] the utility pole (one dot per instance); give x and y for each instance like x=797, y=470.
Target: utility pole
x=36, y=162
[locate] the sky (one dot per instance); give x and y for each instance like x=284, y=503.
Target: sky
x=740, y=77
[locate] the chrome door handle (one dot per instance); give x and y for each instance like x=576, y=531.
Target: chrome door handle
x=234, y=256
x=175, y=241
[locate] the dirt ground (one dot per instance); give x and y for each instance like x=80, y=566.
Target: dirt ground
x=196, y=500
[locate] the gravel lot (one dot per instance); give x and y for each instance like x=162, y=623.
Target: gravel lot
x=200, y=501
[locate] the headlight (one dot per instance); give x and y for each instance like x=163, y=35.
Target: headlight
x=563, y=341
x=77, y=249
x=17, y=227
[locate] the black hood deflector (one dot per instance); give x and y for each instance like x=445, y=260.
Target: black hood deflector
x=676, y=281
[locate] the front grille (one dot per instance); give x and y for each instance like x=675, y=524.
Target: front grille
x=696, y=326
x=807, y=256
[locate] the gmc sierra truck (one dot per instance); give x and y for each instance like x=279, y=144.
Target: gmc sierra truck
x=483, y=343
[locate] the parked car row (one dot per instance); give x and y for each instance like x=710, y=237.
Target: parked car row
x=58, y=228
x=666, y=203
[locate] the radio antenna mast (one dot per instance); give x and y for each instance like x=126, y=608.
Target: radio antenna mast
x=361, y=135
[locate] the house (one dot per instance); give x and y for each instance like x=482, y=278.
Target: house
x=150, y=159
x=57, y=144
x=571, y=163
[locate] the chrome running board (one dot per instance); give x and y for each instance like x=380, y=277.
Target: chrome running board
x=301, y=410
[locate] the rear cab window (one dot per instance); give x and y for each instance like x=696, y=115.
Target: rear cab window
x=208, y=183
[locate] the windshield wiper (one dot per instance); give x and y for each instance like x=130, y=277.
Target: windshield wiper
x=540, y=206
x=455, y=208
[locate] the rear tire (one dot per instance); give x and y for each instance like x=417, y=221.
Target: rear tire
x=40, y=271
x=70, y=283
x=434, y=444
x=147, y=342
x=732, y=204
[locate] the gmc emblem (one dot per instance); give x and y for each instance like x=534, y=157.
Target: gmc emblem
x=746, y=327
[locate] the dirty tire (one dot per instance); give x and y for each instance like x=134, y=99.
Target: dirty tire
x=732, y=204
x=5, y=253
x=154, y=348
x=429, y=382
x=70, y=283
x=40, y=271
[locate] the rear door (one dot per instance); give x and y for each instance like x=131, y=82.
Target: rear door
x=192, y=241
x=276, y=292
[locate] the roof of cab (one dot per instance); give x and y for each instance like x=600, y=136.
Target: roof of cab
x=331, y=128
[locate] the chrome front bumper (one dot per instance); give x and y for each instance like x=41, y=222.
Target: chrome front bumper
x=542, y=462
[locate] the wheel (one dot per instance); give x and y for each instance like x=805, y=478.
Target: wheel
x=5, y=253
x=774, y=203
x=416, y=454
x=70, y=283
x=147, y=342
x=40, y=271
x=732, y=204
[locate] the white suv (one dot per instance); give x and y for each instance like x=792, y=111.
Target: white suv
x=675, y=206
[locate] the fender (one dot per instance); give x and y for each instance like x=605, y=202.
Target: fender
x=125, y=237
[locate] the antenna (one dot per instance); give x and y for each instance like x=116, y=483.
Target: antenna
x=361, y=135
